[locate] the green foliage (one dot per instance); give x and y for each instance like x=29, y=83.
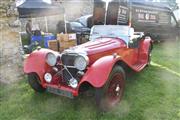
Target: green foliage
x=24, y=40
x=153, y=94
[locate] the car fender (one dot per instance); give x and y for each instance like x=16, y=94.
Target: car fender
x=36, y=63
x=144, y=50
x=145, y=44
x=98, y=73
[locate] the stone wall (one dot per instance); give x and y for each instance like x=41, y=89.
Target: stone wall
x=8, y=8
x=10, y=59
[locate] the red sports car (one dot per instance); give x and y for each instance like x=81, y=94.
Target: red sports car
x=99, y=63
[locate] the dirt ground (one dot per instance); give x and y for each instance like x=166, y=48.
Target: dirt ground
x=10, y=58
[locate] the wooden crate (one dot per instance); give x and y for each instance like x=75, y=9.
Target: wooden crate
x=62, y=37
x=66, y=37
x=66, y=44
x=53, y=45
x=66, y=41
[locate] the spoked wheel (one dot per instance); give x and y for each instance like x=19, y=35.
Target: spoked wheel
x=115, y=89
x=35, y=82
x=111, y=93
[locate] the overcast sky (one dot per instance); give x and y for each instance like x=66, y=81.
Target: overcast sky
x=177, y=12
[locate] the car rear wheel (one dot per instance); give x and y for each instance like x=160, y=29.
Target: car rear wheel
x=35, y=82
x=111, y=93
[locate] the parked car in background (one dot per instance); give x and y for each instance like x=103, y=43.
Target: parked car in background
x=85, y=20
x=82, y=31
x=99, y=64
x=79, y=28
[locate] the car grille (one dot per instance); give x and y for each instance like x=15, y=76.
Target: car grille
x=68, y=59
x=66, y=75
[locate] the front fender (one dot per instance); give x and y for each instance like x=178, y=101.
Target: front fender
x=98, y=73
x=36, y=63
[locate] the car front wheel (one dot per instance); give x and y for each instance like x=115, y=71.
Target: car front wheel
x=111, y=93
x=35, y=82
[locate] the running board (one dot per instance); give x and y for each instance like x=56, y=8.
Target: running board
x=138, y=66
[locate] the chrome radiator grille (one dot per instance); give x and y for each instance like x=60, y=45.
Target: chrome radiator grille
x=68, y=59
x=66, y=75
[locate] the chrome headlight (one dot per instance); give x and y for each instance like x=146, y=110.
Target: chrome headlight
x=51, y=59
x=81, y=62
x=73, y=83
x=48, y=77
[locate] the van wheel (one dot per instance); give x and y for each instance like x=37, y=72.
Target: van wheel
x=111, y=93
x=35, y=83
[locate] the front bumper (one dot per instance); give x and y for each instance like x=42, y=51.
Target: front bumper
x=62, y=91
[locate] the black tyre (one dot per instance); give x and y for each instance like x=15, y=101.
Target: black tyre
x=111, y=93
x=35, y=82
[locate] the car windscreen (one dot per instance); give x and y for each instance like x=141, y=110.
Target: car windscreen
x=112, y=31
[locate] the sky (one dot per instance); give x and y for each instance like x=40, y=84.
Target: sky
x=47, y=1
x=177, y=12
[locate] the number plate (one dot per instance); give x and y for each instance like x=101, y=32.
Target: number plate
x=60, y=92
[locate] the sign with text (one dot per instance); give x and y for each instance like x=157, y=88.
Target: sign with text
x=122, y=15
x=146, y=16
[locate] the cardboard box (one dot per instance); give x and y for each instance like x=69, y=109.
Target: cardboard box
x=60, y=37
x=66, y=41
x=66, y=37
x=53, y=45
x=66, y=44
x=63, y=37
x=72, y=36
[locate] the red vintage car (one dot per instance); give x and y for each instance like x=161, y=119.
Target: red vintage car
x=99, y=63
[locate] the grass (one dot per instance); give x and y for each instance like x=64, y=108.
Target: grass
x=153, y=94
x=24, y=39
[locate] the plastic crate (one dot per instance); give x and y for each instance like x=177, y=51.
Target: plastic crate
x=38, y=39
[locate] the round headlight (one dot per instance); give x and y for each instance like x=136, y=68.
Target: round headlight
x=73, y=83
x=51, y=59
x=81, y=62
x=48, y=77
